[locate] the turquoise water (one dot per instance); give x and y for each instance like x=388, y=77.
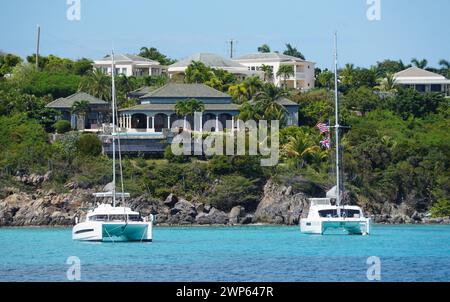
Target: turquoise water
x=254, y=253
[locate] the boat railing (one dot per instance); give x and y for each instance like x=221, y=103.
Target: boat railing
x=320, y=201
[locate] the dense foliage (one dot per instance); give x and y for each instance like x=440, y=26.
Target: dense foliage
x=397, y=150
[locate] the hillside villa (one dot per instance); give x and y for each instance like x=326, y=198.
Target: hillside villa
x=130, y=65
x=423, y=81
x=213, y=61
x=304, y=71
x=156, y=110
x=98, y=112
x=147, y=127
x=303, y=77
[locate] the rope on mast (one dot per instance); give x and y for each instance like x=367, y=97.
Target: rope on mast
x=113, y=134
x=337, y=126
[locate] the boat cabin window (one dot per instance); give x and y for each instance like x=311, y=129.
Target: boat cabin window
x=99, y=218
x=116, y=217
x=344, y=213
x=328, y=213
x=134, y=218
x=352, y=213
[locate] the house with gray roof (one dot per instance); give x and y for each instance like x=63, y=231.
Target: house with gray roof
x=214, y=61
x=156, y=109
x=423, y=81
x=130, y=65
x=303, y=71
x=147, y=127
x=97, y=114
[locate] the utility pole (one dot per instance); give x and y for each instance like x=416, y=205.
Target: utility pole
x=231, y=48
x=37, y=46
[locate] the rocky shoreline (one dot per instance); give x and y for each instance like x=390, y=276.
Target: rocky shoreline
x=279, y=205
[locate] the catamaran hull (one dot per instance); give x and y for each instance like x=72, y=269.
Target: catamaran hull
x=113, y=232
x=320, y=227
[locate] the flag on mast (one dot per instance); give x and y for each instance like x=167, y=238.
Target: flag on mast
x=323, y=127
x=326, y=143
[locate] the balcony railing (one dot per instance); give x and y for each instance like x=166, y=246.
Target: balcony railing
x=298, y=76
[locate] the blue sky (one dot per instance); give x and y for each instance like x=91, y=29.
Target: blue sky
x=407, y=29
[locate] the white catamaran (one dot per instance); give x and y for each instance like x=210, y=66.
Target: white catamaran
x=329, y=213
x=108, y=222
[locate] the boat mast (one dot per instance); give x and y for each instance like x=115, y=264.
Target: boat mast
x=337, y=127
x=113, y=104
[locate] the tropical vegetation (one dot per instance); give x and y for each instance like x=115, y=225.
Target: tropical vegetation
x=397, y=150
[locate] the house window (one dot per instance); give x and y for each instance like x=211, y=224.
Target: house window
x=420, y=88
x=253, y=68
x=436, y=88
x=124, y=71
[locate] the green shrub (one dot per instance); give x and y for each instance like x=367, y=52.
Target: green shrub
x=89, y=145
x=234, y=190
x=220, y=165
x=62, y=126
x=162, y=193
x=24, y=144
x=172, y=158
x=441, y=209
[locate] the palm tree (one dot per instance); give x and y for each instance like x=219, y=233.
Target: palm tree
x=198, y=72
x=347, y=74
x=445, y=64
x=387, y=84
x=317, y=158
x=267, y=102
x=182, y=108
x=149, y=53
x=422, y=64
x=301, y=147
x=293, y=52
x=252, y=85
x=153, y=54
x=445, y=71
x=239, y=93
x=268, y=72
x=215, y=83
x=188, y=107
x=126, y=84
x=285, y=71
x=264, y=48
x=326, y=79
x=80, y=109
x=195, y=105
x=97, y=84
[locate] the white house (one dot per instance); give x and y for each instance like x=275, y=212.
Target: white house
x=213, y=61
x=130, y=65
x=304, y=71
x=423, y=81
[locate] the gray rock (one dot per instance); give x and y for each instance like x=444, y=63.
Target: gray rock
x=207, y=208
x=213, y=217
x=109, y=187
x=278, y=208
x=200, y=207
x=182, y=213
x=236, y=214
x=171, y=200
x=248, y=219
